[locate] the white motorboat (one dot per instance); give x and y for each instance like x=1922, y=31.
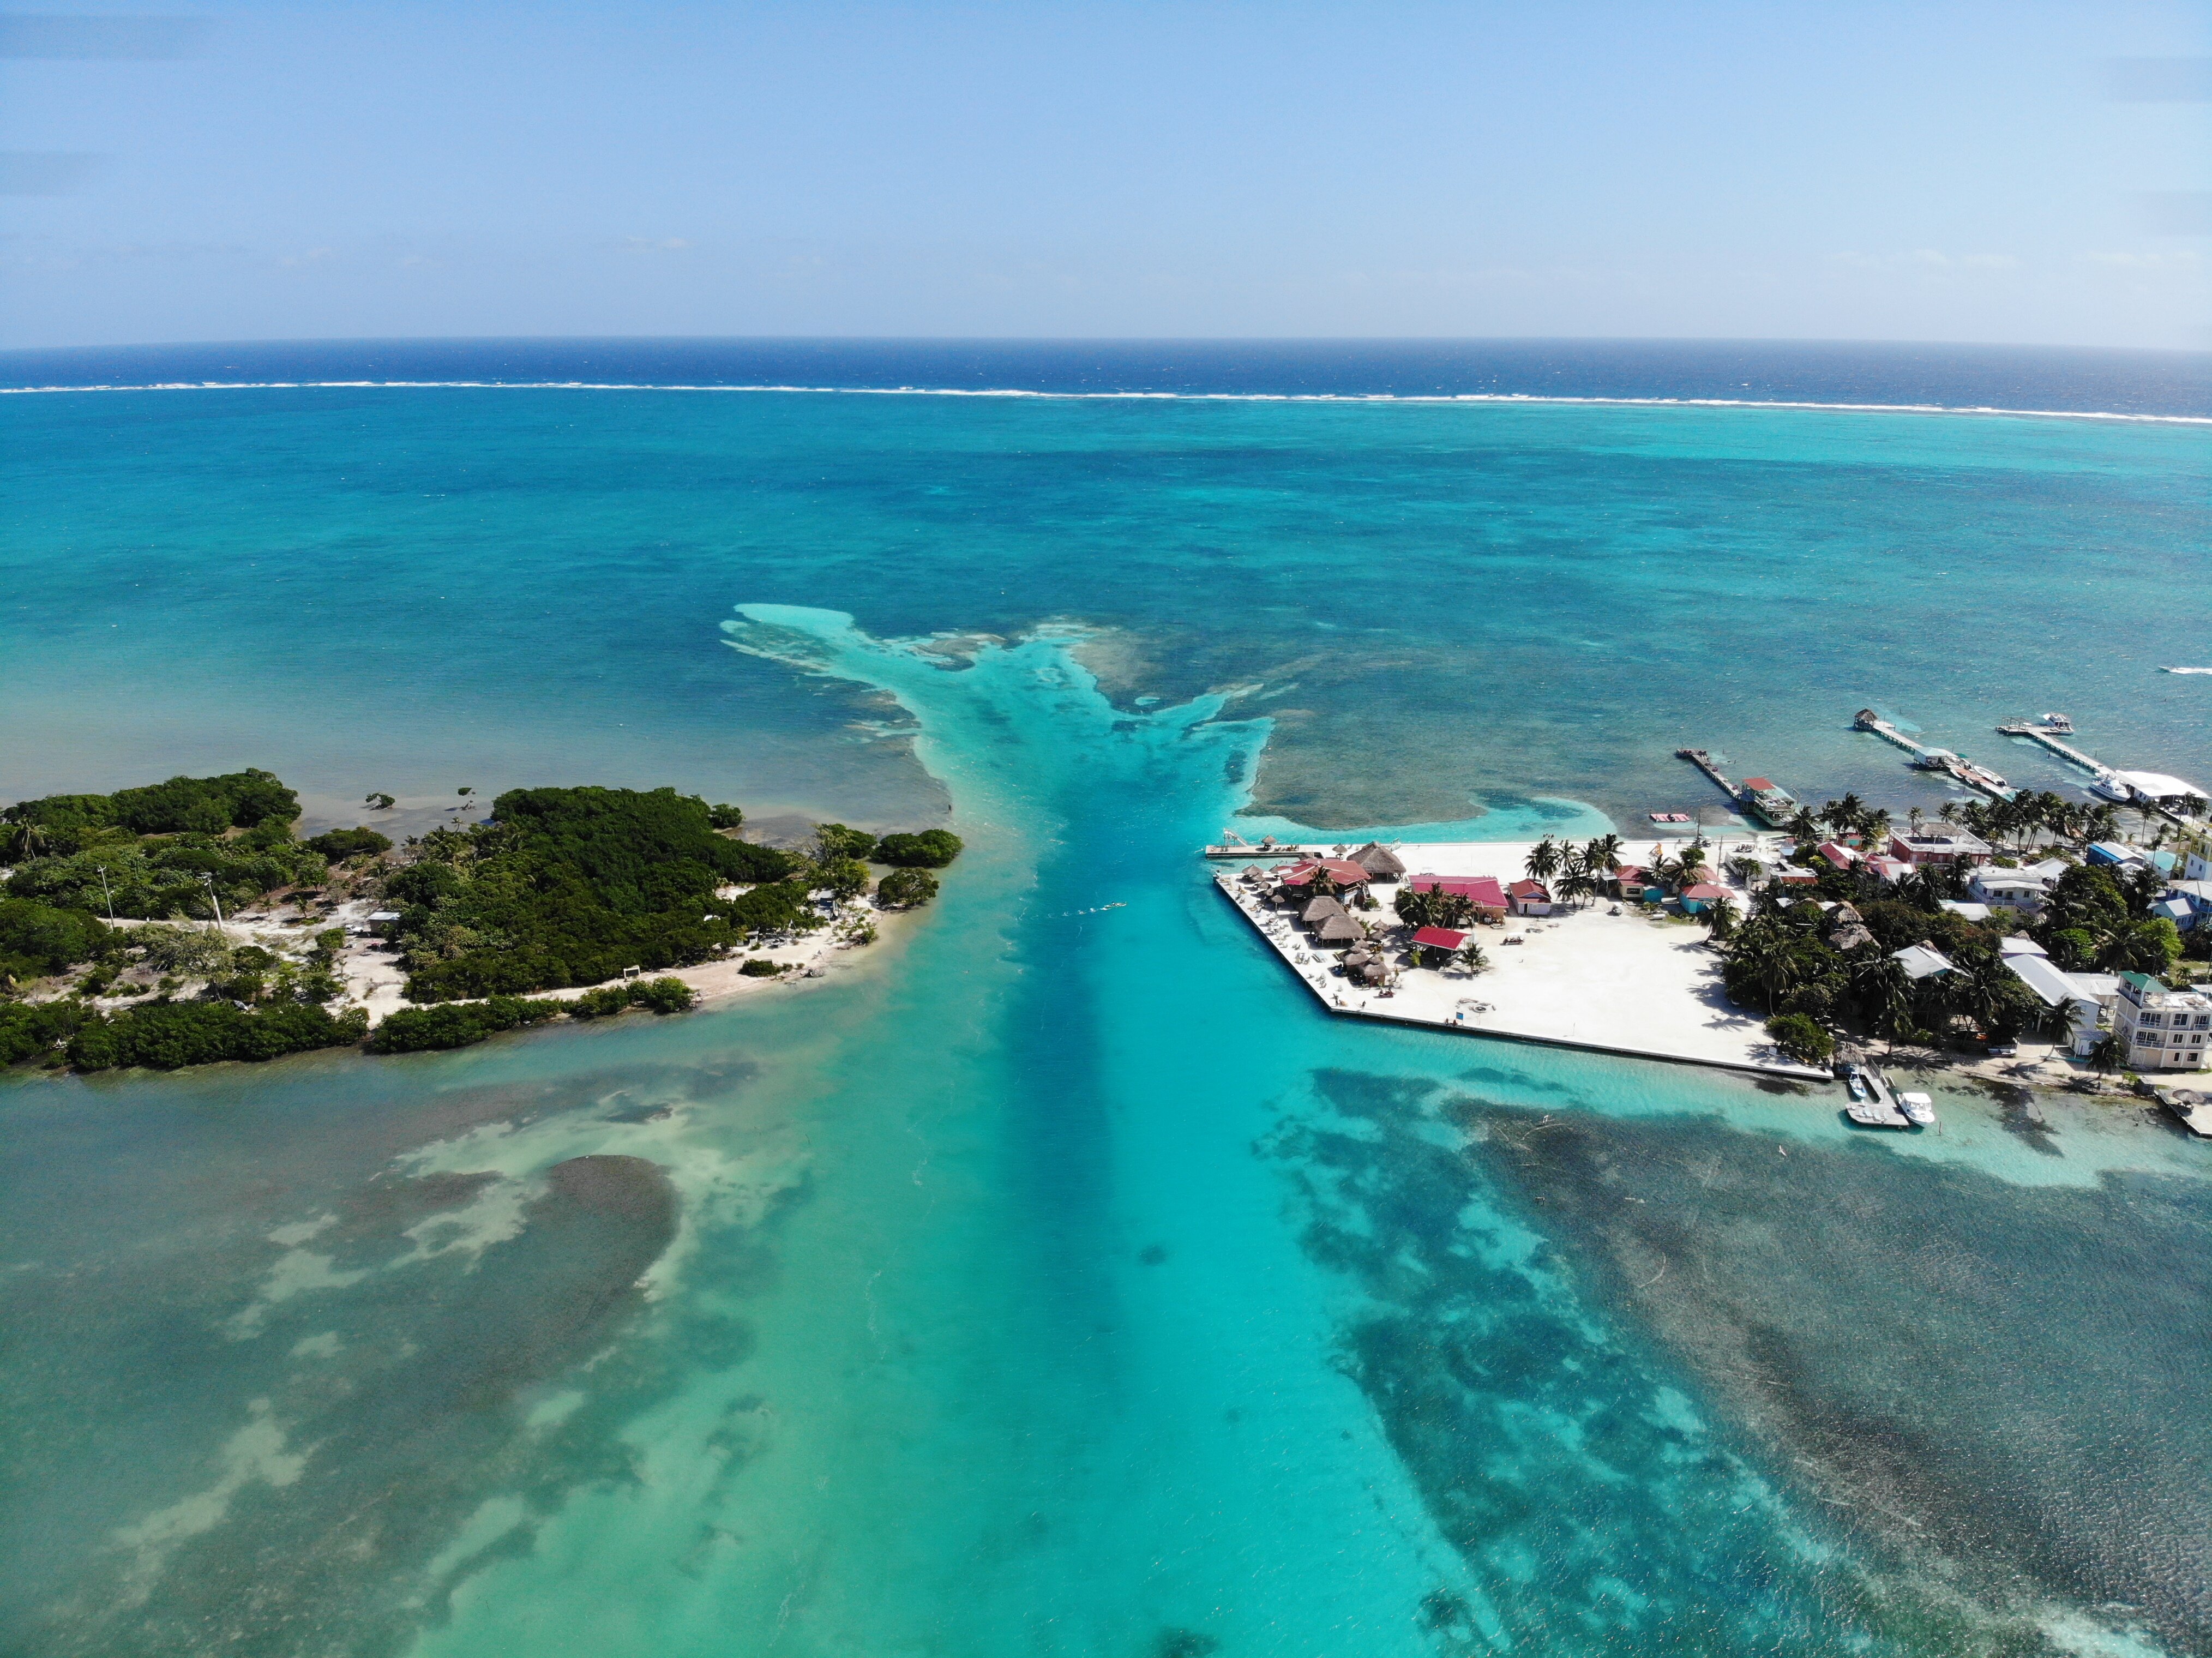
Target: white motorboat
x=1919, y=1108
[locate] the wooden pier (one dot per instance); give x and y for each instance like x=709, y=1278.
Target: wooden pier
x=1704, y=763
x=2191, y=1106
x=1880, y=1109
x=1233, y=849
x=2044, y=735
x=1956, y=766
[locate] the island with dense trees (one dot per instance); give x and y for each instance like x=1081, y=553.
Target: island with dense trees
x=113, y=950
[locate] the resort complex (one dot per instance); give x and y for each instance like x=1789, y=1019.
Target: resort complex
x=2022, y=935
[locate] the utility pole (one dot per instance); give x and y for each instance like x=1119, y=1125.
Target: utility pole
x=209, y=882
x=109, y=894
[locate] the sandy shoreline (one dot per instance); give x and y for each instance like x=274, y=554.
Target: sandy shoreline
x=376, y=982
x=1629, y=983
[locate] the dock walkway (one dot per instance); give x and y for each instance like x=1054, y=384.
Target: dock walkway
x=1471, y=1016
x=1703, y=762
x=1879, y=1110
x=1956, y=766
x=2192, y=1106
x=2049, y=739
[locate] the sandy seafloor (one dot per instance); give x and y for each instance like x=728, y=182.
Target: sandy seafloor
x=1071, y=1286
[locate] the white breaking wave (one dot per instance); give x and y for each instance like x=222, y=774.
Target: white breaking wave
x=1119, y=397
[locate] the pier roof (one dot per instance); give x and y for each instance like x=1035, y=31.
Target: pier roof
x=1378, y=860
x=2159, y=786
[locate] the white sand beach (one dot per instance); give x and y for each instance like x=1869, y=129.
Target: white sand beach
x=1625, y=983
x=375, y=981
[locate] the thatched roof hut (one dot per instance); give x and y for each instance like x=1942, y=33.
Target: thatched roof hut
x=1320, y=909
x=1379, y=861
x=1339, y=929
x=1374, y=972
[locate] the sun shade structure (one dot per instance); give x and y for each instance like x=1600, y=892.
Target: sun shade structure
x=1339, y=929
x=1320, y=910
x=1439, y=938
x=1379, y=861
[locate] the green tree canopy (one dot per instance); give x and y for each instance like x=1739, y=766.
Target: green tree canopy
x=930, y=849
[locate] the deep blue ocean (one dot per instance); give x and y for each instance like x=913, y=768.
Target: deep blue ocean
x=1059, y=1282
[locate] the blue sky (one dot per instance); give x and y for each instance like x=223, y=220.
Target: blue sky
x=1956, y=171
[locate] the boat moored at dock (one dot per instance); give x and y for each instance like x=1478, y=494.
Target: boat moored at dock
x=1956, y=765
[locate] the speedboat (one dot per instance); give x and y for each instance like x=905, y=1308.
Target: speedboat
x=1919, y=1109
x=1855, y=1083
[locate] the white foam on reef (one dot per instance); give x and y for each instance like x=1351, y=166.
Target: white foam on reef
x=1129, y=396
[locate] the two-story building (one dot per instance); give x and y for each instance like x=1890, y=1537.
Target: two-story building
x=2161, y=1029
x=2020, y=890
x=1938, y=843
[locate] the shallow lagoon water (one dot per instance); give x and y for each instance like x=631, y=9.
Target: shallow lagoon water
x=1067, y=1285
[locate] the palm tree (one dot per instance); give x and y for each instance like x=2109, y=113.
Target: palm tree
x=1775, y=963
x=1542, y=862
x=1576, y=879
x=1804, y=828
x=1601, y=857
x=26, y=839
x=1846, y=814
x=1720, y=920
x=1891, y=991
x=1471, y=957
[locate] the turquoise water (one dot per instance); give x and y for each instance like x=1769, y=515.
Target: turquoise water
x=1058, y=1283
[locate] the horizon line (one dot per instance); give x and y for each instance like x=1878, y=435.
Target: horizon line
x=1104, y=339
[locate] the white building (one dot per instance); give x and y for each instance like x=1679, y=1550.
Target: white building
x=2162, y=1029
x=2150, y=788
x=2084, y=996
x=2020, y=891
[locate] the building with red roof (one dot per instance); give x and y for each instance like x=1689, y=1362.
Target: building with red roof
x=1480, y=890
x=1439, y=938
x=1530, y=898
x=1838, y=854
x=1342, y=870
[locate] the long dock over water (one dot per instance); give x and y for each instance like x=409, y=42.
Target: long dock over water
x=1704, y=763
x=1957, y=767
x=2043, y=734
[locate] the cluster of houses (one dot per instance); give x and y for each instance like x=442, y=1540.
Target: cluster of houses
x=2160, y=1029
